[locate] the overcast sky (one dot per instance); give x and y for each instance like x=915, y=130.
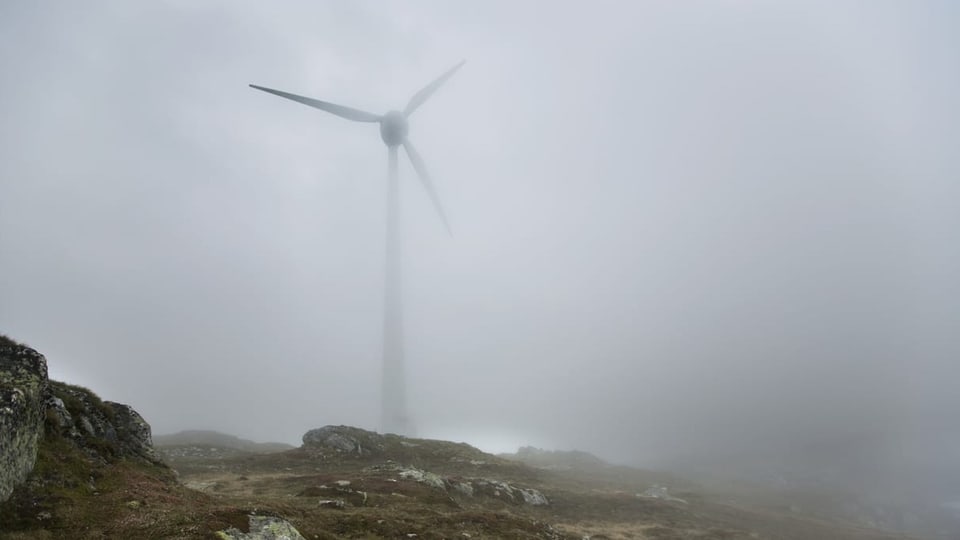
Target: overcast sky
x=680, y=229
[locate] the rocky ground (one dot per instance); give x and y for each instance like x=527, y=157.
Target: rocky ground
x=349, y=483
x=97, y=474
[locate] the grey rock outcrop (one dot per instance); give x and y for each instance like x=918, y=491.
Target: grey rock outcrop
x=23, y=384
x=32, y=407
x=133, y=432
x=472, y=487
x=104, y=430
x=346, y=442
x=344, y=439
x=263, y=528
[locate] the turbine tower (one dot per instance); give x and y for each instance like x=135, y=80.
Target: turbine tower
x=393, y=130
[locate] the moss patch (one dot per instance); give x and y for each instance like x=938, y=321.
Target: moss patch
x=77, y=398
x=7, y=342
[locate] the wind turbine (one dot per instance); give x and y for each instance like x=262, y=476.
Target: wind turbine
x=393, y=130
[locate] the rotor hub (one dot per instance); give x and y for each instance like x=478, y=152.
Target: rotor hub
x=394, y=128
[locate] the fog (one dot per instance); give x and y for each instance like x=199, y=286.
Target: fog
x=684, y=234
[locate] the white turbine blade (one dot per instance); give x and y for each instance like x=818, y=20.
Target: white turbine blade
x=339, y=110
x=427, y=183
x=420, y=97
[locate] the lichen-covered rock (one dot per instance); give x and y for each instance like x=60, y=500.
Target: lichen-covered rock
x=263, y=528
x=471, y=487
x=79, y=413
x=23, y=381
x=344, y=439
x=33, y=407
x=509, y=493
x=533, y=497
x=424, y=477
x=104, y=430
x=55, y=407
x=465, y=488
x=337, y=443
x=133, y=432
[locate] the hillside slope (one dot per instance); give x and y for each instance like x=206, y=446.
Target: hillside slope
x=210, y=438
x=93, y=472
x=345, y=482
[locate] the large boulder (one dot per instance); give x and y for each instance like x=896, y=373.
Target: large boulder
x=351, y=443
x=345, y=439
x=133, y=432
x=104, y=430
x=32, y=407
x=23, y=383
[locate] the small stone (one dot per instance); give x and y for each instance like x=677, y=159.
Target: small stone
x=533, y=497
x=263, y=528
x=424, y=477
x=464, y=488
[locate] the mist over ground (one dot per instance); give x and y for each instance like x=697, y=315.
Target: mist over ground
x=683, y=235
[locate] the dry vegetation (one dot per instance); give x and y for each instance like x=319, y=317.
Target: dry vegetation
x=599, y=501
x=76, y=493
